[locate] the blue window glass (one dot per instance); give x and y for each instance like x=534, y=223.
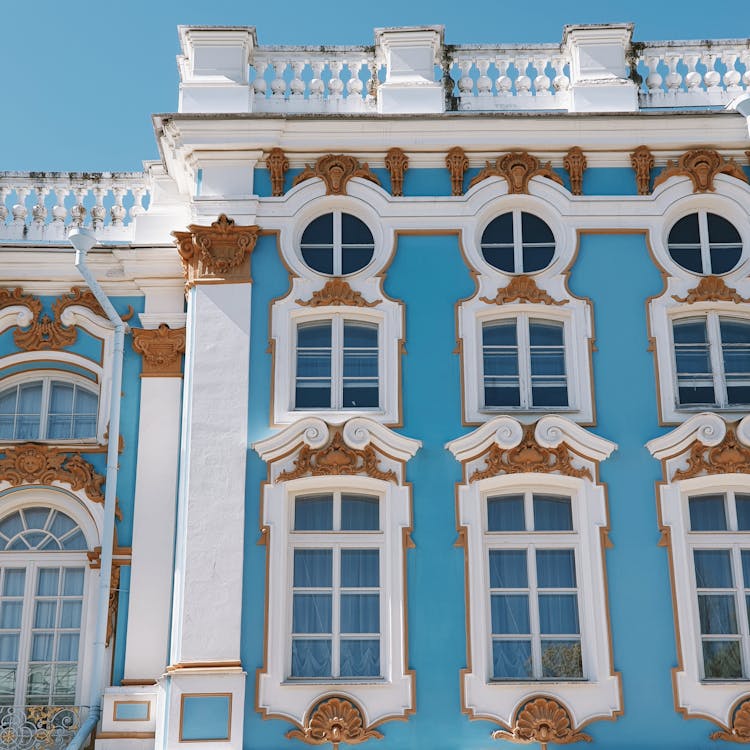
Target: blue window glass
x=500, y=360
x=695, y=383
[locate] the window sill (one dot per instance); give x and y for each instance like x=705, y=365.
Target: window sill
x=301, y=681
x=542, y=681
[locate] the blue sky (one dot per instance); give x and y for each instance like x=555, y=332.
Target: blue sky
x=82, y=78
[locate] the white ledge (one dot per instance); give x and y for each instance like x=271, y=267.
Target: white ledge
x=707, y=427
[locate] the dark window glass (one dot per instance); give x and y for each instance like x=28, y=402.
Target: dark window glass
x=723, y=241
x=500, y=361
x=313, y=513
x=547, y=356
x=505, y=513
x=707, y=513
x=536, y=240
x=695, y=383
x=552, y=513
x=743, y=517
x=323, y=254
x=360, y=513
x=685, y=245
x=735, y=349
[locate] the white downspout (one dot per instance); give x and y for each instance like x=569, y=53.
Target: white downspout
x=83, y=240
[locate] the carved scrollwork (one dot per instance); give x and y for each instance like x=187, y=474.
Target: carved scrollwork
x=542, y=720
x=336, y=458
x=517, y=168
x=642, y=161
x=701, y=165
x=457, y=163
x=336, y=720
x=522, y=289
x=711, y=289
x=38, y=727
x=30, y=463
x=337, y=292
x=220, y=252
x=11, y=297
x=336, y=170
x=739, y=730
x=528, y=456
x=397, y=162
x=161, y=348
x=575, y=164
x=277, y=164
x=730, y=456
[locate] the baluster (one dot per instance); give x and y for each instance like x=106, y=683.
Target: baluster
x=712, y=78
x=4, y=193
x=693, y=78
x=19, y=210
x=523, y=82
x=561, y=82
x=503, y=84
x=260, y=85
x=59, y=213
x=542, y=81
x=137, y=208
x=317, y=87
x=745, y=60
x=278, y=85
x=654, y=79
x=484, y=82
x=465, y=82
x=297, y=85
x=673, y=79
x=354, y=85
x=732, y=77
x=335, y=84
x=117, y=212
x=39, y=210
x=78, y=212
x=98, y=212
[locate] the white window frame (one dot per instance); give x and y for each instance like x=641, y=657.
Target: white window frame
x=46, y=377
x=337, y=243
x=518, y=242
x=703, y=240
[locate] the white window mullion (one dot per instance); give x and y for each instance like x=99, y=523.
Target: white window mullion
x=517, y=242
x=705, y=245
x=335, y=612
x=524, y=359
x=739, y=595
x=717, y=362
x=337, y=362
x=536, y=639
x=24, y=644
x=44, y=410
x=731, y=510
x=337, y=243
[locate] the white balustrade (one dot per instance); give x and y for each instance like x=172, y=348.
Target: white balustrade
x=44, y=206
x=693, y=74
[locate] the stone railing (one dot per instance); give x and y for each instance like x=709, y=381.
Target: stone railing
x=44, y=206
x=39, y=727
x=692, y=74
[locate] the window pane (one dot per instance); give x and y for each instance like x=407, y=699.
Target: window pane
x=317, y=244
x=9, y=647
x=70, y=617
x=39, y=683
x=360, y=568
x=707, y=513
x=360, y=387
x=505, y=513
x=41, y=646
x=511, y=660
x=314, y=335
x=537, y=258
x=721, y=660
x=693, y=362
x=713, y=569
x=354, y=258
x=30, y=399
x=360, y=335
x=743, y=512
x=510, y=614
x=360, y=658
x=725, y=244
x=538, y=243
x=313, y=568
x=552, y=513
x=8, y=401
x=717, y=614
x=86, y=402
x=500, y=362
x=735, y=347
x=10, y=615
x=508, y=569
x=13, y=585
x=354, y=231
x=61, y=398
x=67, y=647
x=313, y=385
x=547, y=357
x=7, y=685
x=45, y=615
x=319, y=231
x=59, y=427
x=746, y=568
x=684, y=243
x=320, y=259
x=562, y=659
x=47, y=582
x=360, y=613
x=311, y=613
x=555, y=569
x=311, y=658
x=558, y=614
x=360, y=513
x=313, y=513
x=497, y=243
x=64, y=685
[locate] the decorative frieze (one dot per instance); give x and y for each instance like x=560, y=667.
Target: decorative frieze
x=336, y=170
x=701, y=166
x=522, y=289
x=545, y=721
x=575, y=164
x=711, y=289
x=220, y=252
x=337, y=292
x=517, y=168
x=457, y=163
x=161, y=348
x=642, y=161
x=397, y=162
x=336, y=720
x=277, y=164
x=730, y=456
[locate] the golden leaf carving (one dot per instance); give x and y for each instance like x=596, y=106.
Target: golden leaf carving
x=336, y=170
x=728, y=457
x=575, y=164
x=739, y=731
x=10, y=297
x=277, y=164
x=528, y=456
x=220, y=252
x=542, y=720
x=337, y=292
x=457, y=163
x=396, y=162
x=701, y=165
x=517, y=168
x=336, y=458
x=114, y=604
x=161, y=349
x=30, y=463
x=522, y=289
x=711, y=289
x=642, y=161
x=336, y=720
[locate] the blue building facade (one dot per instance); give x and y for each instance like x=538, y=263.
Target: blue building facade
x=433, y=408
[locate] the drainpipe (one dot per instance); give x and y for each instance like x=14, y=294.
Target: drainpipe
x=83, y=240
x=741, y=105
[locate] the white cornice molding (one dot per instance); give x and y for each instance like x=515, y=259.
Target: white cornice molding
x=507, y=432
x=706, y=427
x=358, y=433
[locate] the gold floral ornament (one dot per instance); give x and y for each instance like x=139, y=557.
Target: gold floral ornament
x=528, y=456
x=701, y=165
x=30, y=463
x=522, y=289
x=730, y=456
x=38, y=727
x=397, y=162
x=336, y=170
x=11, y=297
x=337, y=292
x=220, y=252
x=335, y=720
x=542, y=720
x=517, y=168
x=711, y=289
x=575, y=165
x=457, y=163
x=277, y=164
x=337, y=458
x=642, y=161
x=161, y=348
x=739, y=730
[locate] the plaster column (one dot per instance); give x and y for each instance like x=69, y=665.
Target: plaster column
x=205, y=677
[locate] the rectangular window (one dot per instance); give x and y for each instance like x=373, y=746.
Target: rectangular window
x=533, y=588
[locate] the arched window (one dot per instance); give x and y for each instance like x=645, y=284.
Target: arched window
x=42, y=584
x=48, y=408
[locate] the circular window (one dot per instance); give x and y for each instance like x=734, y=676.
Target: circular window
x=518, y=242
x=337, y=244
x=705, y=243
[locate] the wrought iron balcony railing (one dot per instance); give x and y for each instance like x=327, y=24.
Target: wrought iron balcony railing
x=39, y=727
